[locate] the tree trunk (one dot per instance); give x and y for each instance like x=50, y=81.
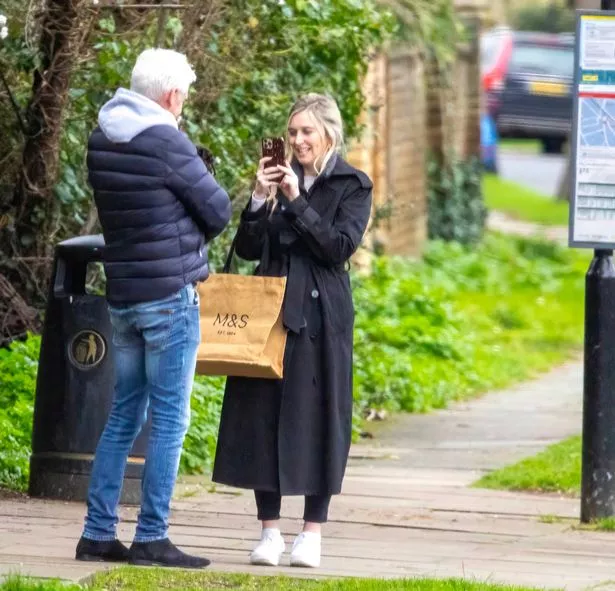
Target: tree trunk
x=163, y=18
x=26, y=251
x=64, y=29
x=16, y=317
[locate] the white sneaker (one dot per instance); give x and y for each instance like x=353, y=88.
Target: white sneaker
x=306, y=550
x=269, y=549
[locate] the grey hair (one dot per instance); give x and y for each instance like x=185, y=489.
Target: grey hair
x=157, y=71
x=328, y=118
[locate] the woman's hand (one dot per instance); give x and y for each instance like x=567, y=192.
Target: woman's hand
x=289, y=185
x=266, y=178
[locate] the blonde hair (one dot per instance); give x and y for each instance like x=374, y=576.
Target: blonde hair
x=328, y=119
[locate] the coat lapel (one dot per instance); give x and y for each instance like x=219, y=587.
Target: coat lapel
x=322, y=196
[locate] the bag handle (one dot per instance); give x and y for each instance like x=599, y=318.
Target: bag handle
x=229, y=256
x=231, y=252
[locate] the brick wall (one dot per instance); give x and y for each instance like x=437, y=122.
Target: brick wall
x=454, y=101
x=392, y=151
x=410, y=114
x=405, y=230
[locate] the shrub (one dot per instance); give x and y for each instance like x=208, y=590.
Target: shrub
x=548, y=18
x=464, y=320
x=17, y=386
x=200, y=443
x=455, y=200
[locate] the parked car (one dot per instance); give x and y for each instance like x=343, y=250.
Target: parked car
x=527, y=78
x=495, y=49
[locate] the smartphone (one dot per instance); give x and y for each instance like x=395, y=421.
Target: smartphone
x=273, y=147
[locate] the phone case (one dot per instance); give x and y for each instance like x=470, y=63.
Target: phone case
x=274, y=148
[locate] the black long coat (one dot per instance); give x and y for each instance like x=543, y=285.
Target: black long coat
x=293, y=435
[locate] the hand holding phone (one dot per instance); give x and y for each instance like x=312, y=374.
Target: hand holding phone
x=268, y=174
x=289, y=185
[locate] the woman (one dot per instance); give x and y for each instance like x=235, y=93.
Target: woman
x=292, y=436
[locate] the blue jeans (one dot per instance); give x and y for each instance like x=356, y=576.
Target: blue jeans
x=155, y=347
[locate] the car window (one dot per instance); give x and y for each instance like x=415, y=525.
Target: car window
x=542, y=59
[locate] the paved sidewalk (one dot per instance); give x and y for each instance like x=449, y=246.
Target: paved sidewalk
x=500, y=222
x=406, y=510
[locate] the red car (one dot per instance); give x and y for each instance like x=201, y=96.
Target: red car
x=496, y=47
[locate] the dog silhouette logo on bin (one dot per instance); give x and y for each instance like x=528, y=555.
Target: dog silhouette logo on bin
x=87, y=349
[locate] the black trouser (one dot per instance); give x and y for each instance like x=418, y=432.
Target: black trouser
x=269, y=503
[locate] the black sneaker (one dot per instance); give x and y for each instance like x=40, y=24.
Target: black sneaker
x=163, y=553
x=93, y=551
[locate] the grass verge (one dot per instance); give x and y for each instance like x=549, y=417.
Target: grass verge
x=556, y=469
x=524, y=146
x=134, y=579
x=522, y=203
x=607, y=524
x=137, y=580
x=19, y=583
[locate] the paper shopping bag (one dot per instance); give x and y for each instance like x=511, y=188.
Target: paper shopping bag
x=241, y=326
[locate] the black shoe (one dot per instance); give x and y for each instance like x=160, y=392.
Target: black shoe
x=163, y=553
x=93, y=551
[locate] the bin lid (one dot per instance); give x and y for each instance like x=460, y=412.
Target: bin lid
x=82, y=247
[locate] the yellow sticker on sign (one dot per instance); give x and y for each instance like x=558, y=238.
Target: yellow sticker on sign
x=590, y=77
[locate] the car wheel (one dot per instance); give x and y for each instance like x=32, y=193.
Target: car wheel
x=552, y=145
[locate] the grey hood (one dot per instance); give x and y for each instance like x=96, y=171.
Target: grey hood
x=128, y=114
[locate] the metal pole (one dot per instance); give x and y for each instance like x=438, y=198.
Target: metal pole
x=598, y=457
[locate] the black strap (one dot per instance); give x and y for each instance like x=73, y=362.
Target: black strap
x=231, y=252
x=229, y=257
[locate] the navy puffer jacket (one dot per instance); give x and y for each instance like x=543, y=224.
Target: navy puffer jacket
x=157, y=203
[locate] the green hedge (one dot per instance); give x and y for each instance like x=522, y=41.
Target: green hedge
x=464, y=320
x=456, y=208
x=455, y=324
x=17, y=384
x=544, y=17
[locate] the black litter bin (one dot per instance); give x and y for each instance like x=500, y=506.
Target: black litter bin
x=74, y=387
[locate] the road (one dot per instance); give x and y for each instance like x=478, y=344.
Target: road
x=540, y=172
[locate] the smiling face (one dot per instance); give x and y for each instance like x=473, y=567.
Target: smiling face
x=307, y=141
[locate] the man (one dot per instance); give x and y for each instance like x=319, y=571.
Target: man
x=158, y=207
